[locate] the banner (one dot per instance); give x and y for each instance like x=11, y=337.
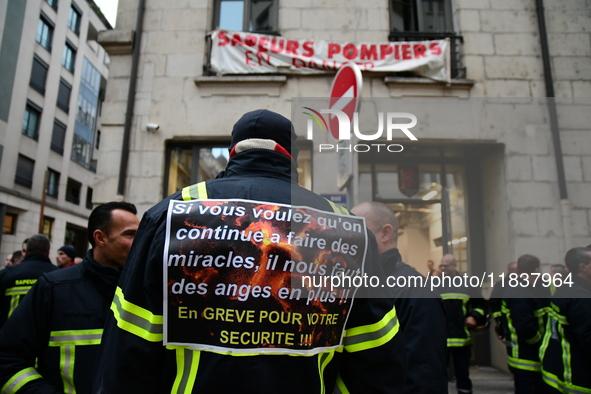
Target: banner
x=246, y=276
x=235, y=52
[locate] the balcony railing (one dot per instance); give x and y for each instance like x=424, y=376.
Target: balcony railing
x=457, y=66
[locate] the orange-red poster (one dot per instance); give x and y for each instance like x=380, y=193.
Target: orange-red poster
x=246, y=276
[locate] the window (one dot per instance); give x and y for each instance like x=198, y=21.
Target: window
x=421, y=20
x=58, y=137
x=63, y=96
x=69, y=57
x=9, y=223
x=31, y=121
x=73, y=191
x=38, y=75
x=47, y=226
x=53, y=182
x=45, y=32
x=52, y=3
x=24, y=171
x=89, y=192
x=247, y=15
x=420, y=15
x=86, y=114
x=74, y=19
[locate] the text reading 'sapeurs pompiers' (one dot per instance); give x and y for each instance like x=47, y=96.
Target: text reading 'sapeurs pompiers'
x=233, y=274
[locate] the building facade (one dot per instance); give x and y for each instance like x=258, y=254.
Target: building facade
x=493, y=174
x=53, y=76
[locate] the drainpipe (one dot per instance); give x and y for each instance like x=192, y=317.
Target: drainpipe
x=131, y=98
x=549, y=81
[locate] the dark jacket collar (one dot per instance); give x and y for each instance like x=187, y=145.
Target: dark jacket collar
x=261, y=163
x=37, y=258
x=108, y=276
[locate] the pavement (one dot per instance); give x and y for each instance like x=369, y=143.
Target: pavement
x=488, y=380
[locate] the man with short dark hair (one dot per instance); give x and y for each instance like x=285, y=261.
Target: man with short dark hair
x=51, y=343
x=524, y=308
x=65, y=256
x=18, y=280
x=566, y=348
x=420, y=311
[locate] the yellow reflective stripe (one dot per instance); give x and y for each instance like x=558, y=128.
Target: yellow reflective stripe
x=201, y=191
x=535, y=339
x=67, y=360
x=528, y=365
x=372, y=335
x=552, y=380
x=340, y=387
x=458, y=342
x=568, y=373
x=337, y=208
x=455, y=296
x=497, y=314
x=478, y=310
x=187, y=362
x=193, y=192
x=19, y=379
x=323, y=360
x=76, y=337
x=135, y=319
x=17, y=290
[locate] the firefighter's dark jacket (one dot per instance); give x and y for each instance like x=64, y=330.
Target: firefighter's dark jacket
x=17, y=280
x=566, y=348
x=460, y=303
x=134, y=360
x=423, y=327
x=51, y=342
x=524, y=314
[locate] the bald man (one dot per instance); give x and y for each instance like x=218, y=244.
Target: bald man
x=420, y=312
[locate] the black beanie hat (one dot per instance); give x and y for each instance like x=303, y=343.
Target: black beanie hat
x=265, y=124
x=69, y=250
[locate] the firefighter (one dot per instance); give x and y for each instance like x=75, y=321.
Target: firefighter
x=261, y=167
x=566, y=348
x=51, y=342
x=524, y=308
x=18, y=280
x=464, y=311
x=421, y=314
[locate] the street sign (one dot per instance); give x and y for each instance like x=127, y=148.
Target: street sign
x=344, y=94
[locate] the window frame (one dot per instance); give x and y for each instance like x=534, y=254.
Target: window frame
x=59, y=103
x=71, y=65
x=11, y=225
x=31, y=108
x=72, y=185
x=58, y=148
x=417, y=14
x=33, y=83
x=56, y=185
x=247, y=15
x=19, y=179
x=52, y=3
x=74, y=9
x=44, y=19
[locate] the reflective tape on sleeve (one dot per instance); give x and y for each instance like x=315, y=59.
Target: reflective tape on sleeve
x=19, y=380
x=455, y=296
x=523, y=364
x=135, y=319
x=372, y=335
x=193, y=192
